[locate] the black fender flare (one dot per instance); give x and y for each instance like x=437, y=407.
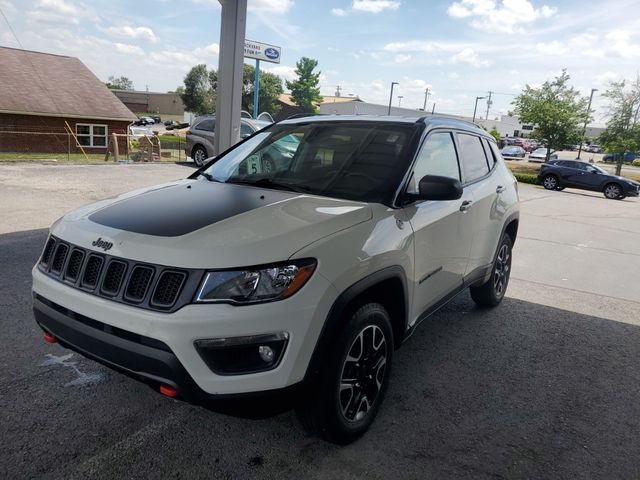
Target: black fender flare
x=333, y=322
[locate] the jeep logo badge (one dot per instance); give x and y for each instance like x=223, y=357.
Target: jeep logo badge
x=102, y=244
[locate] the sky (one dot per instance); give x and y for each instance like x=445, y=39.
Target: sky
x=460, y=49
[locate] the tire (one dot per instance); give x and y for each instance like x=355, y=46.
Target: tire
x=559, y=189
x=199, y=155
x=622, y=197
x=491, y=293
x=268, y=165
x=550, y=182
x=342, y=404
x=612, y=191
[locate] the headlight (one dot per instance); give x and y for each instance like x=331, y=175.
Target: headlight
x=254, y=285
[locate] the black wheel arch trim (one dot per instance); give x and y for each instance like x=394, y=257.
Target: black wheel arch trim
x=333, y=322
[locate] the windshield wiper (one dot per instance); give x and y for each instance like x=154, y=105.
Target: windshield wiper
x=268, y=183
x=208, y=176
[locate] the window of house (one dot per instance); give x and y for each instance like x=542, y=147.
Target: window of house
x=91, y=135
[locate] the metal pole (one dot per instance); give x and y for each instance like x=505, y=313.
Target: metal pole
x=400, y=97
x=586, y=119
x=433, y=109
x=488, y=105
x=391, y=97
x=256, y=89
x=475, y=109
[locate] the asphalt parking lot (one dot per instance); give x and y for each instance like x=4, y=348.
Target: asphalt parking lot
x=545, y=386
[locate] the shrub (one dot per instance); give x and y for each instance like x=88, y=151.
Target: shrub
x=526, y=178
x=636, y=162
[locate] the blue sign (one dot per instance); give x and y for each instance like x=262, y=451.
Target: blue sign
x=271, y=53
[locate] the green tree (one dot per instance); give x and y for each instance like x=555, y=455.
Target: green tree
x=622, y=133
x=555, y=109
x=305, y=92
x=199, y=94
x=270, y=90
x=495, y=134
x=119, y=83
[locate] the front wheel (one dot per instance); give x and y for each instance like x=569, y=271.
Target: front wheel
x=344, y=401
x=199, y=155
x=491, y=293
x=612, y=191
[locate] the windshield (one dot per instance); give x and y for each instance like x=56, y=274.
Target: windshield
x=356, y=161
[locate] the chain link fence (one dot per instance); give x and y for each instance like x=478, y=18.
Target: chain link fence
x=63, y=146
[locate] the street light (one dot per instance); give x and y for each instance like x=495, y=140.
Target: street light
x=475, y=109
x=586, y=119
x=391, y=96
x=400, y=97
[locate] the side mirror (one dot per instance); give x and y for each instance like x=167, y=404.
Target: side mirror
x=434, y=187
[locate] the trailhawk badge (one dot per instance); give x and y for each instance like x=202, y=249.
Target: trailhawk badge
x=102, y=244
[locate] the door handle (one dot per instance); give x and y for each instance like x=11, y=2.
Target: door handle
x=500, y=189
x=466, y=205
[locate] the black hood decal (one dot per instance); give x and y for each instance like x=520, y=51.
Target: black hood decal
x=183, y=208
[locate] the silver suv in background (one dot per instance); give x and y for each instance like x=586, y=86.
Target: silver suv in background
x=200, y=136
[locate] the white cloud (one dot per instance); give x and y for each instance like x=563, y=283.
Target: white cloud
x=209, y=50
x=283, y=71
x=469, y=56
x=374, y=6
x=129, y=49
x=402, y=58
x=606, y=78
x=422, y=46
x=58, y=11
x=453, y=75
x=339, y=12
x=551, y=48
x=139, y=33
x=505, y=16
x=273, y=6
x=619, y=43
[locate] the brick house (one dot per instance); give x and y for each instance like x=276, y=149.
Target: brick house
x=44, y=96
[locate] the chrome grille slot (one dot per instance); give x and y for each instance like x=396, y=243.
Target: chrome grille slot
x=138, y=283
x=92, y=271
x=113, y=277
x=74, y=265
x=59, y=258
x=168, y=288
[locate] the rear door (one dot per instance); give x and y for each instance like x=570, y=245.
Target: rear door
x=484, y=185
x=441, y=236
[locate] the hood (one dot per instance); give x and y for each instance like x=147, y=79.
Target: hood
x=201, y=224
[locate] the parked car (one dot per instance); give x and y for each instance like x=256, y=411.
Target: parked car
x=300, y=280
x=169, y=123
x=514, y=151
x=539, y=155
x=559, y=174
x=614, y=157
x=592, y=148
x=142, y=121
x=177, y=126
x=156, y=118
x=199, y=145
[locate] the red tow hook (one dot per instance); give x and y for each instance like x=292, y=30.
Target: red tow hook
x=50, y=338
x=168, y=391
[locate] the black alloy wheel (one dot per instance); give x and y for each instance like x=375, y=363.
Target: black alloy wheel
x=491, y=293
x=199, y=154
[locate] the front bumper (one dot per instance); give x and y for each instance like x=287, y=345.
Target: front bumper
x=630, y=190
x=158, y=348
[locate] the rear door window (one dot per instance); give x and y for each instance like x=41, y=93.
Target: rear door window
x=472, y=157
x=205, y=125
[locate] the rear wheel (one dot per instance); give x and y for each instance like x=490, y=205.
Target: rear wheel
x=199, y=155
x=268, y=165
x=559, y=188
x=550, y=182
x=491, y=293
x=343, y=403
x=612, y=191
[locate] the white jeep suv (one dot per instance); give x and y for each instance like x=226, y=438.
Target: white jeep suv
x=304, y=276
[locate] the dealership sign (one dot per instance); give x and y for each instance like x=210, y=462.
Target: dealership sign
x=261, y=51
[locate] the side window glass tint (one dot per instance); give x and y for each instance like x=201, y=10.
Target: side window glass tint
x=473, y=159
x=436, y=157
x=490, y=155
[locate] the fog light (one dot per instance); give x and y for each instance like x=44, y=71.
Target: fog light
x=266, y=353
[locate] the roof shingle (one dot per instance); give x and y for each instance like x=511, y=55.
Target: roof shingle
x=42, y=83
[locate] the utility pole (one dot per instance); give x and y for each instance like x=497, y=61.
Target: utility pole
x=433, y=109
x=489, y=102
x=426, y=95
x=391, y=97
x=400, y=97
x=338, y=88
x=586, y=119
